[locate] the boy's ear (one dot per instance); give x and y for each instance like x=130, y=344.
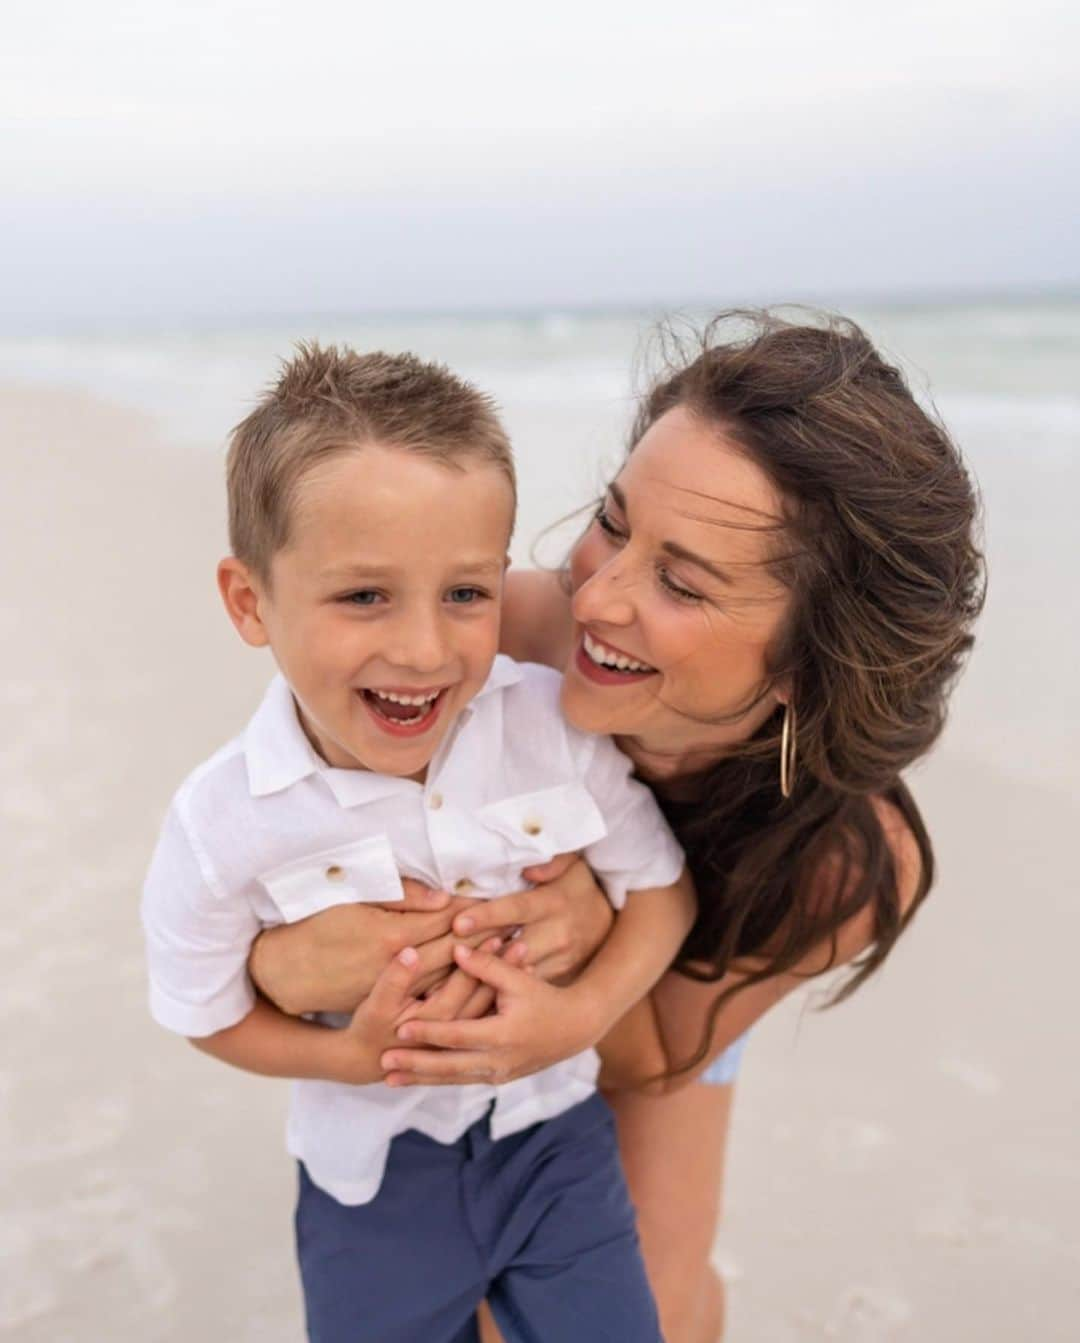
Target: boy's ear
x=241, y=593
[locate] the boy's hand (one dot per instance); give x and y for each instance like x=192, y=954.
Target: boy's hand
x=374, y=1021
x=534, y=1025
x=461, y=998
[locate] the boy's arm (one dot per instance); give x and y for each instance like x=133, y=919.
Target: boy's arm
x=268, y=1042
x=198, y=935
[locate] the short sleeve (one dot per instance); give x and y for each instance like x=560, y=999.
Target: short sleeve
x=197, y=939
x=639, y=851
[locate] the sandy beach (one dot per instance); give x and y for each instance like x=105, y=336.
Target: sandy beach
x=904, y=1168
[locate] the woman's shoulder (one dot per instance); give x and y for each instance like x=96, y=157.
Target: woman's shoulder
x=536, y=622
x=837, y=875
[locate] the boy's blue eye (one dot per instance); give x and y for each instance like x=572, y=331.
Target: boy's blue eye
x=465, y=596
x=365, y=597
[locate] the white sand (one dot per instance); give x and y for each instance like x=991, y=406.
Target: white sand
x=907, y=1167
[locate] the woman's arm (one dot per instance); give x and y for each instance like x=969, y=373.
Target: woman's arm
x=536, y=622
x=664, y=1030
x=329, y=962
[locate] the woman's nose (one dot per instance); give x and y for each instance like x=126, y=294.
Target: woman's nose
x=606, y=596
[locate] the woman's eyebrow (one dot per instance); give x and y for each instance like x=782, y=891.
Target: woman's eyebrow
x=618, y=496
x=676, y=551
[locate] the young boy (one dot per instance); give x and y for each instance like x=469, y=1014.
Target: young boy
x=371, y=501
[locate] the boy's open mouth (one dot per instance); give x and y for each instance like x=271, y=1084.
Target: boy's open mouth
x=402, y=714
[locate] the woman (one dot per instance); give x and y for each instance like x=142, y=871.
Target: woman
x=767, y=611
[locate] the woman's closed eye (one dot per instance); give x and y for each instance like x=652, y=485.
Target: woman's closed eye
x=607, y=524
x=675, y=589
x=670, y=585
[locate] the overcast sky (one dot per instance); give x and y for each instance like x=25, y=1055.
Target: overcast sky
x=225, y=158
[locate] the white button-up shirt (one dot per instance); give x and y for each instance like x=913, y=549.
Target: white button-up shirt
x=265, y=832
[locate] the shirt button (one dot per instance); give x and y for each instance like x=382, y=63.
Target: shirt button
x=463, y=886
x=435, y=801
x=335, y=873
x=532, y=827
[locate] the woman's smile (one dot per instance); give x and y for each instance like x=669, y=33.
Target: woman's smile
x=605, y=664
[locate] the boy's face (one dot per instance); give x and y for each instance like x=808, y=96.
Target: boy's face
x=391, y=584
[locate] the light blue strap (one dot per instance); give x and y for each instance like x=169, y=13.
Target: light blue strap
x=725, y=1067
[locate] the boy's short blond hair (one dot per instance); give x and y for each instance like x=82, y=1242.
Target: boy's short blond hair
x=329, y=400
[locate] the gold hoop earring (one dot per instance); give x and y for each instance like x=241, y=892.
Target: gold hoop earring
x=788, y=748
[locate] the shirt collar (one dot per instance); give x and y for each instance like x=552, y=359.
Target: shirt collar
x=278, y=753
x=504, y=672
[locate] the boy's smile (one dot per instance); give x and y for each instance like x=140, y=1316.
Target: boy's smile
x=404, y=712
x=382, y=610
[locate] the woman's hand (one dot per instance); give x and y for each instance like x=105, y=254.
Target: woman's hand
x=563, y=921
x=460, y=997
x=533, y=1026
x=330, y=962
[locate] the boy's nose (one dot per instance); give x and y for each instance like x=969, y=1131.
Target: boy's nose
x=420, y=648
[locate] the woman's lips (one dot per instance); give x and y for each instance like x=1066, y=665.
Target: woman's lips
x=606, y=676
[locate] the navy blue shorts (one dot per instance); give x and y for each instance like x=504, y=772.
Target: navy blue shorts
x=539, y=1222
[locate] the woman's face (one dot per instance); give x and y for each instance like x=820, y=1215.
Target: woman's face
x=671, y=580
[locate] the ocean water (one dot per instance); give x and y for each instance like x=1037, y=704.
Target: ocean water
x=1002, y=360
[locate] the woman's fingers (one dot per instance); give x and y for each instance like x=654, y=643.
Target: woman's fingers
x=490, y=969
x=545, y=872
x=486, y=1033
x=435, y=1068
x=428, y=983
x=504, y=912
x=438, y=954
x=418, y=898
x=479, y=1005
x=394, y=987
x=448, y=1001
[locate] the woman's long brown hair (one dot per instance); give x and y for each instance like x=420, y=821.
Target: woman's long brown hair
x=880, y=553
